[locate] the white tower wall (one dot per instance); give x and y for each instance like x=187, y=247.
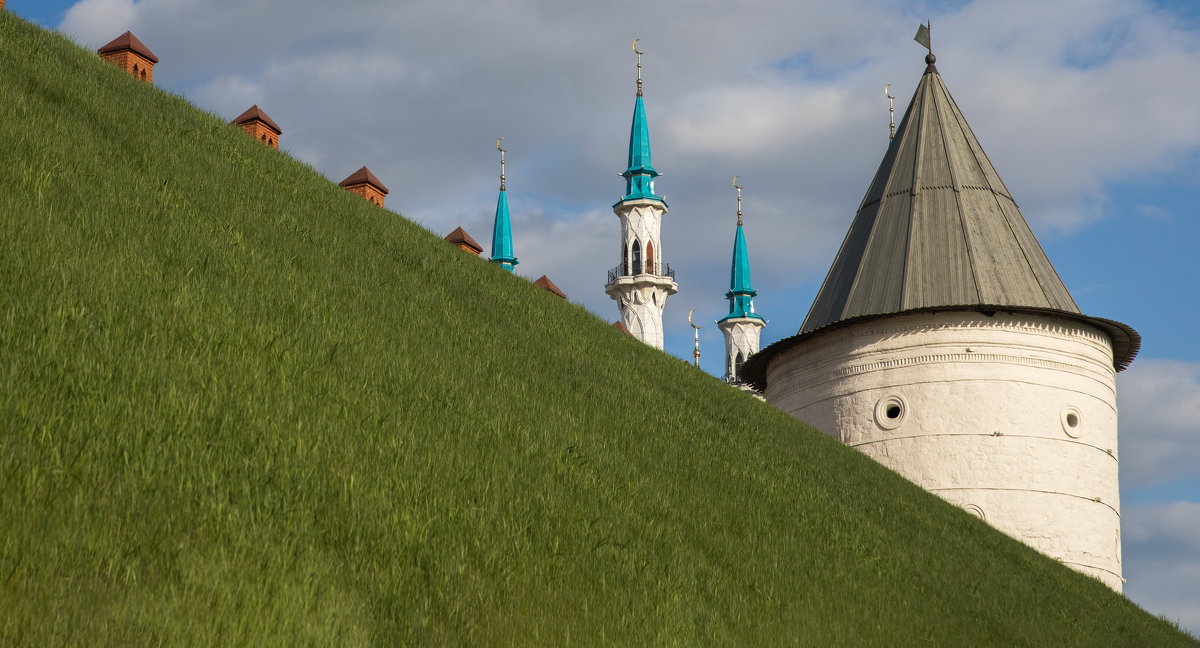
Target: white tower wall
x=741, y=336
x=1012, y=417
x=641, y=285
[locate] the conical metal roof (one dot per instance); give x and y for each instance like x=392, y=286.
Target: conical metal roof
x=639, y=177
x=938, y=230
x=741, y=291
x=502, y=238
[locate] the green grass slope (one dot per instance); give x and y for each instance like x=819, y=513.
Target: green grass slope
x=239, y=406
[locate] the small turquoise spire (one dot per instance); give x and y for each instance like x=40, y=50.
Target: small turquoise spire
x=639, y=176
x=502, y=241
x=741, y=292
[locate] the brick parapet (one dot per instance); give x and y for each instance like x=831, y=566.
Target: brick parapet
x=260, y=132
x=130, y=62
x=368, y=192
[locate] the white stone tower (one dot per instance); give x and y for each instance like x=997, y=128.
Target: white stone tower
x=944, y=345
x=742, y=325
x=642, y=282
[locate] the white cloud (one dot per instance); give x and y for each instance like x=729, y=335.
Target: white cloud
x=1159, y=404
x=1162, y=560
x=93, y=23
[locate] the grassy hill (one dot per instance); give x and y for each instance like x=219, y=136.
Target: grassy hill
x=239, y=406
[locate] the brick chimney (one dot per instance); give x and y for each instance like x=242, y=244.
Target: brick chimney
x=365, y=184
x=129, y=54
x=256, y=124
x=463, y=241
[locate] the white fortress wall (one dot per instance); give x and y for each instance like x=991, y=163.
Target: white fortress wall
x=1011, y=416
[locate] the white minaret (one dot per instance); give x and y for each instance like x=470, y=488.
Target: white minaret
x=944, y=345
x=641, y=283
x=742, y=325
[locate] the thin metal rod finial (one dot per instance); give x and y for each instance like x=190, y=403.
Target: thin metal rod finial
x=696, y=349
x=502, y=152
x=639, y=66
x=891, y=112
x=739, y=190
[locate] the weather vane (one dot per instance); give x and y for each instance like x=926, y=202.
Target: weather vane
x=891, y=112
x=922, y=37
x=639, y=66
x=696, y=351
x=739, y=190
x=502, y=152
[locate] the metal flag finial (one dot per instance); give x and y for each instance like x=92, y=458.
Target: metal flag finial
x=922, y=36
x=739, y=190
x=502, y=152
x=639, y=66
x=891, y=112
x=696, y=349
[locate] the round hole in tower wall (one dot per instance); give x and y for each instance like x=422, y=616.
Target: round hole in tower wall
x=1072, y=421
x=891, y=411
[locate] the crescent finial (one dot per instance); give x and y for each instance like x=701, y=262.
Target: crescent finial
x=635, y=49
x=735, y=184
x=498, y=140
x=690, y=313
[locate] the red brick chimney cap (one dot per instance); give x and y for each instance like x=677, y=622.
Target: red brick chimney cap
x=364, y=176
x=544, y=282
x=128, y=41
x=254, y=112
x=459, y=235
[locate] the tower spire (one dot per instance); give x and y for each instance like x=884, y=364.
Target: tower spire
x=502, y=242
x=640, y=173
x=742, y=325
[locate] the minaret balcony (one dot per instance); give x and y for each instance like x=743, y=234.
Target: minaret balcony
x=664, y=270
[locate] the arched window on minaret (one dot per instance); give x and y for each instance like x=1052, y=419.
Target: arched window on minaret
x=637, y=257
x=737, y=366
x=650, y=257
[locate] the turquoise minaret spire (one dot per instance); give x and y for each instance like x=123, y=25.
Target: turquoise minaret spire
x=742, y=325
x=640, y=174
x=741, y=291
x=502, y=241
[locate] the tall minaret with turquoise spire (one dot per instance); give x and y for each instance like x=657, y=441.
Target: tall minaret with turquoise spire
x=641, y=283
x=742, y=325
x=502, y=242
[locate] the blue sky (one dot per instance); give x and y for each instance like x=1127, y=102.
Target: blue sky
x=1087, y=108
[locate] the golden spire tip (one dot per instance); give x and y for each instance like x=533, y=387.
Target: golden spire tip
x=502, y=152
x=639, y=66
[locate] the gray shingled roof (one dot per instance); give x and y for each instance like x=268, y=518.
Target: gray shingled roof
x=938, y=230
